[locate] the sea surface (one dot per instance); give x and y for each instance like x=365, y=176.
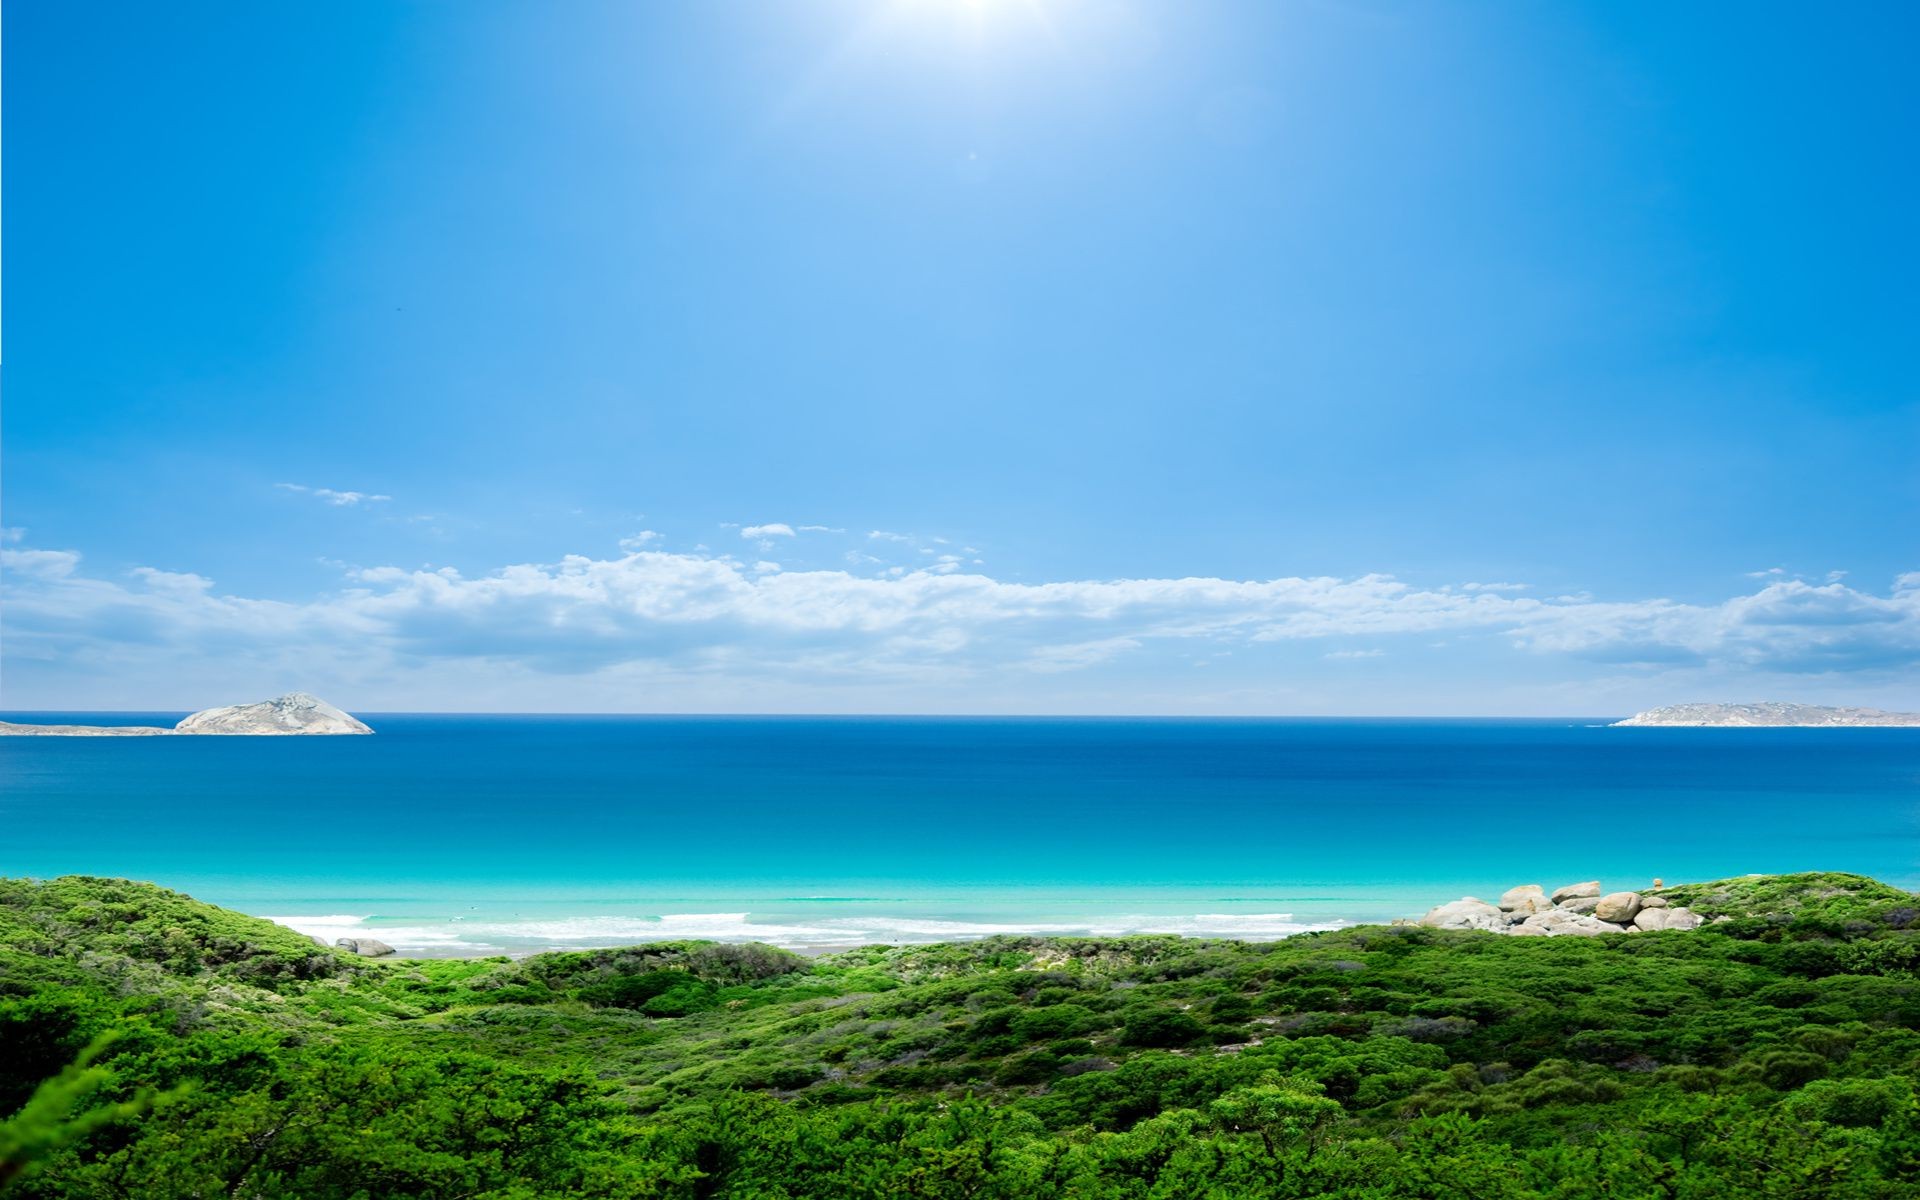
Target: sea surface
x=456, y=835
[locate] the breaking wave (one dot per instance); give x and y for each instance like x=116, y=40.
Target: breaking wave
x=459, y=937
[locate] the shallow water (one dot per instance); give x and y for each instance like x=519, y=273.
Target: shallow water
x=475, y=834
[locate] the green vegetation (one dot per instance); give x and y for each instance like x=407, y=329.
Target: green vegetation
x=155, y=1047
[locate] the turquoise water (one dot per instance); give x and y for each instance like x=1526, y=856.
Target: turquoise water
x=471, y=834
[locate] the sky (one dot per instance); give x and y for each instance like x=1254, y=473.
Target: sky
x=960, y=356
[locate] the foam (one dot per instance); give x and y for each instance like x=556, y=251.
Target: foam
x=478, y=937
x=319, y=926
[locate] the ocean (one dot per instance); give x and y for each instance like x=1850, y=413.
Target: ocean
x=458, y=835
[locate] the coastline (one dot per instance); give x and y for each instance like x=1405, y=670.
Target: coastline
x=829, y=926
x=456, y=836
x=815, y=926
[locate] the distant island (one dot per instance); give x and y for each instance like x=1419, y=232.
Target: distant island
x=1769, y=714
x=293, y=713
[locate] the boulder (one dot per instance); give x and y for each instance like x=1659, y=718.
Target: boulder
x=1618, y=907
x=1654, y=902
x=1529, y=929
x=1651, y=918
x=1467, y=913
x=1577, y=891
x=365, y=947
x=1682, y=918
x=1580, y=904
x=1560, y=923
x=1527, y=898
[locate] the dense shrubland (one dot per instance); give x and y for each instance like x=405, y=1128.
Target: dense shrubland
x=151, y=1046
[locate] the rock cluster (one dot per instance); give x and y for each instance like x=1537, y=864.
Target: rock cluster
x=1576, y=910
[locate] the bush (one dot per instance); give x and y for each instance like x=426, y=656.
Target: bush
x=1162, y=1027
x=1058, y=1021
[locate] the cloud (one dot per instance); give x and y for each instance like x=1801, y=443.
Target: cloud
x=820, y=529
x=1494, y=587
x=45, y=564
x=701, y=615
x=337, y=499
x=762, y=532
x=639, y=541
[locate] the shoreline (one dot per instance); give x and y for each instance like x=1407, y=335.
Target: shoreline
x=822, y=932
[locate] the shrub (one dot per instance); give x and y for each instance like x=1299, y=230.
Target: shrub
x=1162, y=1027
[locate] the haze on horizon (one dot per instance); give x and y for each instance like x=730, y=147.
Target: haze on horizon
x=1019, y=356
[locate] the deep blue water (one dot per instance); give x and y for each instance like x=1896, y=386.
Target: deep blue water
x=458, y=833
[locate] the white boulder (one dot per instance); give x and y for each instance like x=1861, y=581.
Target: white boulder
x=1527, y=898
x=1683, y=918
x=1618, y=907
x=1559, y=923
x=1576, y=891
x=1467, y=913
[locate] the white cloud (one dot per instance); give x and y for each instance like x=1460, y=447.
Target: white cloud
x=50, y=564
x=173, y=581
x=1075, y=656
x=1494, y=587
x=691, y=615
x=337, y=499
x=639, y=541
x=820, y=529
x=771, y=530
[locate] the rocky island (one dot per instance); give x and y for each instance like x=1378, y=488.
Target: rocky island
x=293, y=713
x=1769, y=714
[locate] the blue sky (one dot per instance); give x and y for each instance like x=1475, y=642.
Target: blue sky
x=1073, y=357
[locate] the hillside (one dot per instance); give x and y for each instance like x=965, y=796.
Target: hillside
x=1773, y=1054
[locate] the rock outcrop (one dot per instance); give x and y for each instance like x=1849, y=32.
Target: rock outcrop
x=365, y=947
x=293, y=713
x=1769, y=714
x=1576, y=910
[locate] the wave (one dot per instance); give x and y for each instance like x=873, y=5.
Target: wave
x=479, y=937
